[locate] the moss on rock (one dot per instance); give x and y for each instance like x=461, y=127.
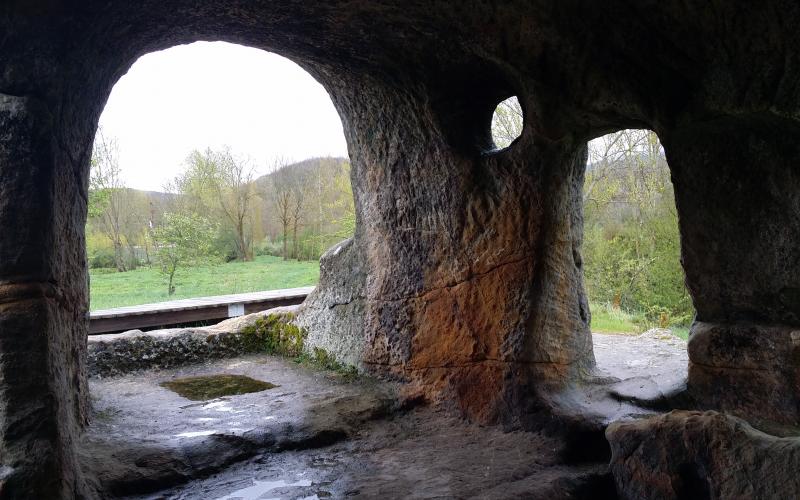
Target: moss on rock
x=275, y=334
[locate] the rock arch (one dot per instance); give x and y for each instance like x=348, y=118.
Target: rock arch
x=464, y=274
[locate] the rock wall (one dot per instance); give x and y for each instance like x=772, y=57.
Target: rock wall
x=737, y=188
x=43, y=305
x=121, y=353
x=333, y=314
x=472, y=275
x=465, y=270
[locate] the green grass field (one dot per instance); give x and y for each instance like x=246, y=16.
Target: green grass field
x=606, y=319
x=144, y=285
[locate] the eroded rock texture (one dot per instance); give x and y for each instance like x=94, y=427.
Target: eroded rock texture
x=695, y=455
x=747, y=369
x=737, y=188
x=466, y=260
x=333, y=315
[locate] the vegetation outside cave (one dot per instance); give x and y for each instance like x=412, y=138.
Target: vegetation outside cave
x=215, y=213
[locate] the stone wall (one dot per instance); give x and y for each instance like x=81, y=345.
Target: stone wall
x=120, y=353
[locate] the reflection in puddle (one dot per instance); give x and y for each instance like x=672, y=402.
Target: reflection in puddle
x=260, y=487
x=195, y=434
x=218, y=405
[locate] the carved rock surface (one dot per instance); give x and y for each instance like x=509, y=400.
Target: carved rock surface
x=750, y=370
x=694, y=455
x=467, y=257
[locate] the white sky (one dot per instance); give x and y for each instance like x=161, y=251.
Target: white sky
x=213, y=94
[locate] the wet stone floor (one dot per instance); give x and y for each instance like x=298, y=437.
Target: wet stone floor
x=316, y=435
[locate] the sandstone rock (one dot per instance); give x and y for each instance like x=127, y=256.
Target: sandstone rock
x=333, y=314
x=694, y=455
x=747, y=369
x=144, y=438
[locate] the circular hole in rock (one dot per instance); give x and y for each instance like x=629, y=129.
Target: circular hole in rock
x=507, y=122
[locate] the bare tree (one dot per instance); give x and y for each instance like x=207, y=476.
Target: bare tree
x=221, y=180
x=278, y=189
x=108, y=198
x=133, y=222
x=632, y=153
x=298, y=191
x=235, y=191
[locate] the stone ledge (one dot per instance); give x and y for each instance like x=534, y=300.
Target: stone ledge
x=121, y=353
x=747, y=369
x=703, y=455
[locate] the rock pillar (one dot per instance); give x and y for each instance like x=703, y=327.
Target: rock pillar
x=43, y=306
x=737, y=188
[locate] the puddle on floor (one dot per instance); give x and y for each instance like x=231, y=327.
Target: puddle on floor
x=259, y=488
x=214, y=386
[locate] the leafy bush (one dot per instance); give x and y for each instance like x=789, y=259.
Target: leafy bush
x=100, y=258
x=270, y=247
x=631, y=248
x=324, y=360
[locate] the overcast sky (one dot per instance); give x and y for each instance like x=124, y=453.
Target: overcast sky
x=213, y=94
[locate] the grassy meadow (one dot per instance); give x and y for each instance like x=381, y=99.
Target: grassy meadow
x=144, y=285
x=606, y=319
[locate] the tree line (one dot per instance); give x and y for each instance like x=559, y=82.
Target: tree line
x=216, y=210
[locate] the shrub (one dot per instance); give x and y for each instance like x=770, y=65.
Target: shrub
x=269, y=247
x=101, y=258
x=324, y=360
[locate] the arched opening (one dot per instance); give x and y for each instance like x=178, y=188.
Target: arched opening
x=217, y=169
x=198, y=189
x=641, y=310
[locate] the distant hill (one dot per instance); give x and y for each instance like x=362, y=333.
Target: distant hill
x=301, y=167
x=157, y=196
x=307, y=166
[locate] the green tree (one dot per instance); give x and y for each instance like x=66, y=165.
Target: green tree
x=183, y=240
x=220, y=185
x=343, y=206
